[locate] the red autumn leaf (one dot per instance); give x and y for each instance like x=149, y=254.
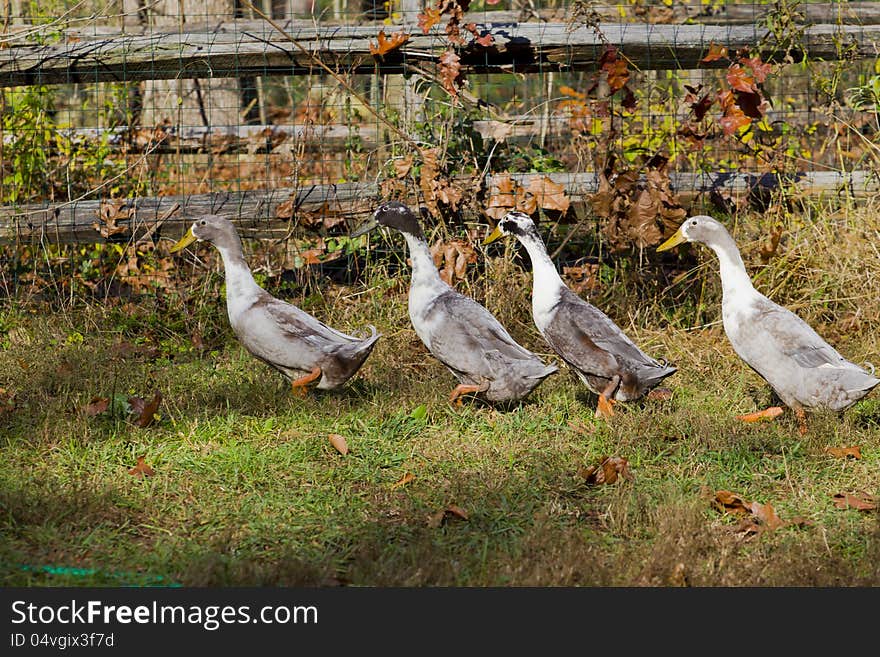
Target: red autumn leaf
x=96, y=406
x=766, y=515
x=738, y=78
x=702, y=106
x=716, y=52
x=618, y=74
x=486, y=40
x=144, y=413
x=843, y=452
x=759, y=68
x=141, y=469
x=387, y=44
x=860, y=501
x=429, y=18
x=752, y=104
x=450, y=70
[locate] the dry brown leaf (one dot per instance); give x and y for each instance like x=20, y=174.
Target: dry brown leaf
x=96, y=406
x=660, y=394
x=716, y=52
x=387, y=44
x=109, y=214
x=144, y=412
x=429, y=18
x=606, y=471
x=771, y=246
x=548, y=194
x=726, y=501
x=436, y=519
x=766, y=515
x=402, y=166
x=338, y=443
x=403, y=481
x=843, y=452
x=860, y=501
x=141, y=469
x=450, y=71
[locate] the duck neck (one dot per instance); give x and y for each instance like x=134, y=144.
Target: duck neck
x=734, y=277
x=424, y=271
x=546, y=281
x=239, y=279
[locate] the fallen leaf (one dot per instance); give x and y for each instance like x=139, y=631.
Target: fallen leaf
x=339, y=443
x=387, y=44
x=716, y=52
x=438, y=517
x=141, y=469
x=96, y=406
x=457, y=511
x=767, y=415
x=660, y=394
x=766, y=515
x=860, y=501
x=606, y=471
x=144, y=412
x=404, y=480
x=842, y=452
x=769, y=248
x=726, y=501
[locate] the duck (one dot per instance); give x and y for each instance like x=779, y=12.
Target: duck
x=804, y=371
x=603, y=357
x=299, y=346
x=459, y=332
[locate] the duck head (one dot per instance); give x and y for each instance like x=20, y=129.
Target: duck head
x=392, y=214
x=699, y=228
x=514, y=223
x=215, y=229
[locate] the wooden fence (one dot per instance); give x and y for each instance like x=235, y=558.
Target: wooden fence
x=254, y=48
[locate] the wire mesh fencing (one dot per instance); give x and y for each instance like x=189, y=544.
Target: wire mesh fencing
x=122, y=121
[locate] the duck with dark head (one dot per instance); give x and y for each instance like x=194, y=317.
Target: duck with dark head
x=457, y=330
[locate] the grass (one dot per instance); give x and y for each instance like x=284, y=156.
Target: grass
x=248, y=490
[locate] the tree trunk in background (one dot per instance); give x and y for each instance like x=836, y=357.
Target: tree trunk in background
x=292, y=8
x=196, y=102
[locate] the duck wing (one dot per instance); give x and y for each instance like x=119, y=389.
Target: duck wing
x=299, y=324
x=589, y=340
x=463, y=332
x=788, y=334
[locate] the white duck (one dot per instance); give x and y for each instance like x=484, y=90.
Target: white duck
x=458, y=331
x=599, y=352
x=804, y=370
x=283, y=336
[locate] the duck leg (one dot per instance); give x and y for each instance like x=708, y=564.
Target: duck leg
x=298, y=386
x=605, y=403
x=757, y=416
x=802, y=420
x=464, y=389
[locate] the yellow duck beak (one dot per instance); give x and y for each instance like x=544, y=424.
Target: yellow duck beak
x=673, y=241
x=184, y=241
x=494, y=235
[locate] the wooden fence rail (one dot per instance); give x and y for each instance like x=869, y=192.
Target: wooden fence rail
x=257, y=211
x=244, y=48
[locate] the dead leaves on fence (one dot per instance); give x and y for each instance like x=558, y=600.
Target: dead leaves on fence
x=386, y=44
x=636, y=211
x=452, y=258
x=507, y=195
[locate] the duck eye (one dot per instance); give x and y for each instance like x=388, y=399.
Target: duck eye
x=694, y=222
x=202, y=222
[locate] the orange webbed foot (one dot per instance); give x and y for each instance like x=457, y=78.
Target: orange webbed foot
x=605, y=407
x=767, y=414
x=298, y=386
